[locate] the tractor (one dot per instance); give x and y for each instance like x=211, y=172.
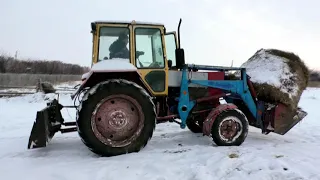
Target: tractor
x=139, y=78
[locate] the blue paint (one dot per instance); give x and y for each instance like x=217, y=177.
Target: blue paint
x=236, y=87
x=184, y=105
x=212, y=68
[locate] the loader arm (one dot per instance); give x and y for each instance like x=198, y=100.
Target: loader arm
x=269, y=117
x=238, y=87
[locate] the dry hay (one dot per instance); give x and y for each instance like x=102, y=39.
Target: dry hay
x=277, y=76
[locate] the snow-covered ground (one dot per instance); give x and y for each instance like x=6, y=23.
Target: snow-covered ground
x=172, y=153
x=66, y=87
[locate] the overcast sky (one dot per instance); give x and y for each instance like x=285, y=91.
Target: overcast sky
x=212, y=32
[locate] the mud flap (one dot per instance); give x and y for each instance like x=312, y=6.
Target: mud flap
x=280, y=119
x=48, y=122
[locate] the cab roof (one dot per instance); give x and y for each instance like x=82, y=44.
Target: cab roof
x=127, y=22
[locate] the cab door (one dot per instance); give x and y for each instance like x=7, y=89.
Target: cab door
x=149, y=58
x=171, y=45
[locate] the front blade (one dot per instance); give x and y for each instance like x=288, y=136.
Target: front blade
x=286, y=119
x=48, y=122
x=39, y=133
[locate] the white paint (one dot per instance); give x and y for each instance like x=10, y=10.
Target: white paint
x=115, y=64
x=175, y=78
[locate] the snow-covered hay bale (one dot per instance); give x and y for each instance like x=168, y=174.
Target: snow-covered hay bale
x=277, y=76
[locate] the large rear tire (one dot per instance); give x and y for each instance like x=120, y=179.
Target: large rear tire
x=118, y=117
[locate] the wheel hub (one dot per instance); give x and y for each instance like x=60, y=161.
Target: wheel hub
x=229, y=129
x=117, y=120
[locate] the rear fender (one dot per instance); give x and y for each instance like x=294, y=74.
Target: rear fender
x=207, y=124
x=110, y=69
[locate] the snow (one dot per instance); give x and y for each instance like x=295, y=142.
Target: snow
x=272, y=70
x=129, y=22
x=115, y=64
x=85, y=75
x=61, y=88
x=172, y=153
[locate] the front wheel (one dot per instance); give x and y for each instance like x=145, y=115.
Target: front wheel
x=118, y=118
x=230, y=128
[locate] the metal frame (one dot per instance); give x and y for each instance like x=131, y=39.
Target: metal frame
x=237, y=87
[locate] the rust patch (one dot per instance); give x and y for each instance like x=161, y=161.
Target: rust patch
x=229, y=129
x=207, y=124
x=118, y=120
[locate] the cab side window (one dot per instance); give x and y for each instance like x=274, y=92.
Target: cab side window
x=114, y=43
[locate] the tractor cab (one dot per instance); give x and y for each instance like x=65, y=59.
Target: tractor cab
x=145, y=45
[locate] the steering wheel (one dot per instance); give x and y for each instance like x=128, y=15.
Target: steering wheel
x=138, y=54
x=155, y=64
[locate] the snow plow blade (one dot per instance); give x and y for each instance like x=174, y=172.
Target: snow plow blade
x=285, y=119
x=48, y=122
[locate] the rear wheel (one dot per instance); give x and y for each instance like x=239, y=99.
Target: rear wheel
x=230, y=128
x=118, y=118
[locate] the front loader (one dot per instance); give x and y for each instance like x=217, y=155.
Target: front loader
x=145, y=82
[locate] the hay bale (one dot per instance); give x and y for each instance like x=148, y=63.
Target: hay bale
x=277, y=76
x=47, y=87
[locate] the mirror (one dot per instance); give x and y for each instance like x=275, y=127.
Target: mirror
x=169, y=63
x=180, y=58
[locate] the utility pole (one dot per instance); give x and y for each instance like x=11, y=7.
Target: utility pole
x=16, y=55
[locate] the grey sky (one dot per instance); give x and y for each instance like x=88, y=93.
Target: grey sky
x=212, y=32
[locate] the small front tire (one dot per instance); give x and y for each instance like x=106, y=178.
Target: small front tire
x=230, y=128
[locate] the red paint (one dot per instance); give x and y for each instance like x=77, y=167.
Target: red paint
x=278, y=114
x=251, y=88
x=215, y=91
x=207, y=124
x=84, y=81
x=215, y=76
x=167, y=117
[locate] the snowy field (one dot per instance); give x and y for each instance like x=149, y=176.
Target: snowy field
x=172, y=153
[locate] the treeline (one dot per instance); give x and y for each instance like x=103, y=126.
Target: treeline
x=314, y=75
x=10, y=65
